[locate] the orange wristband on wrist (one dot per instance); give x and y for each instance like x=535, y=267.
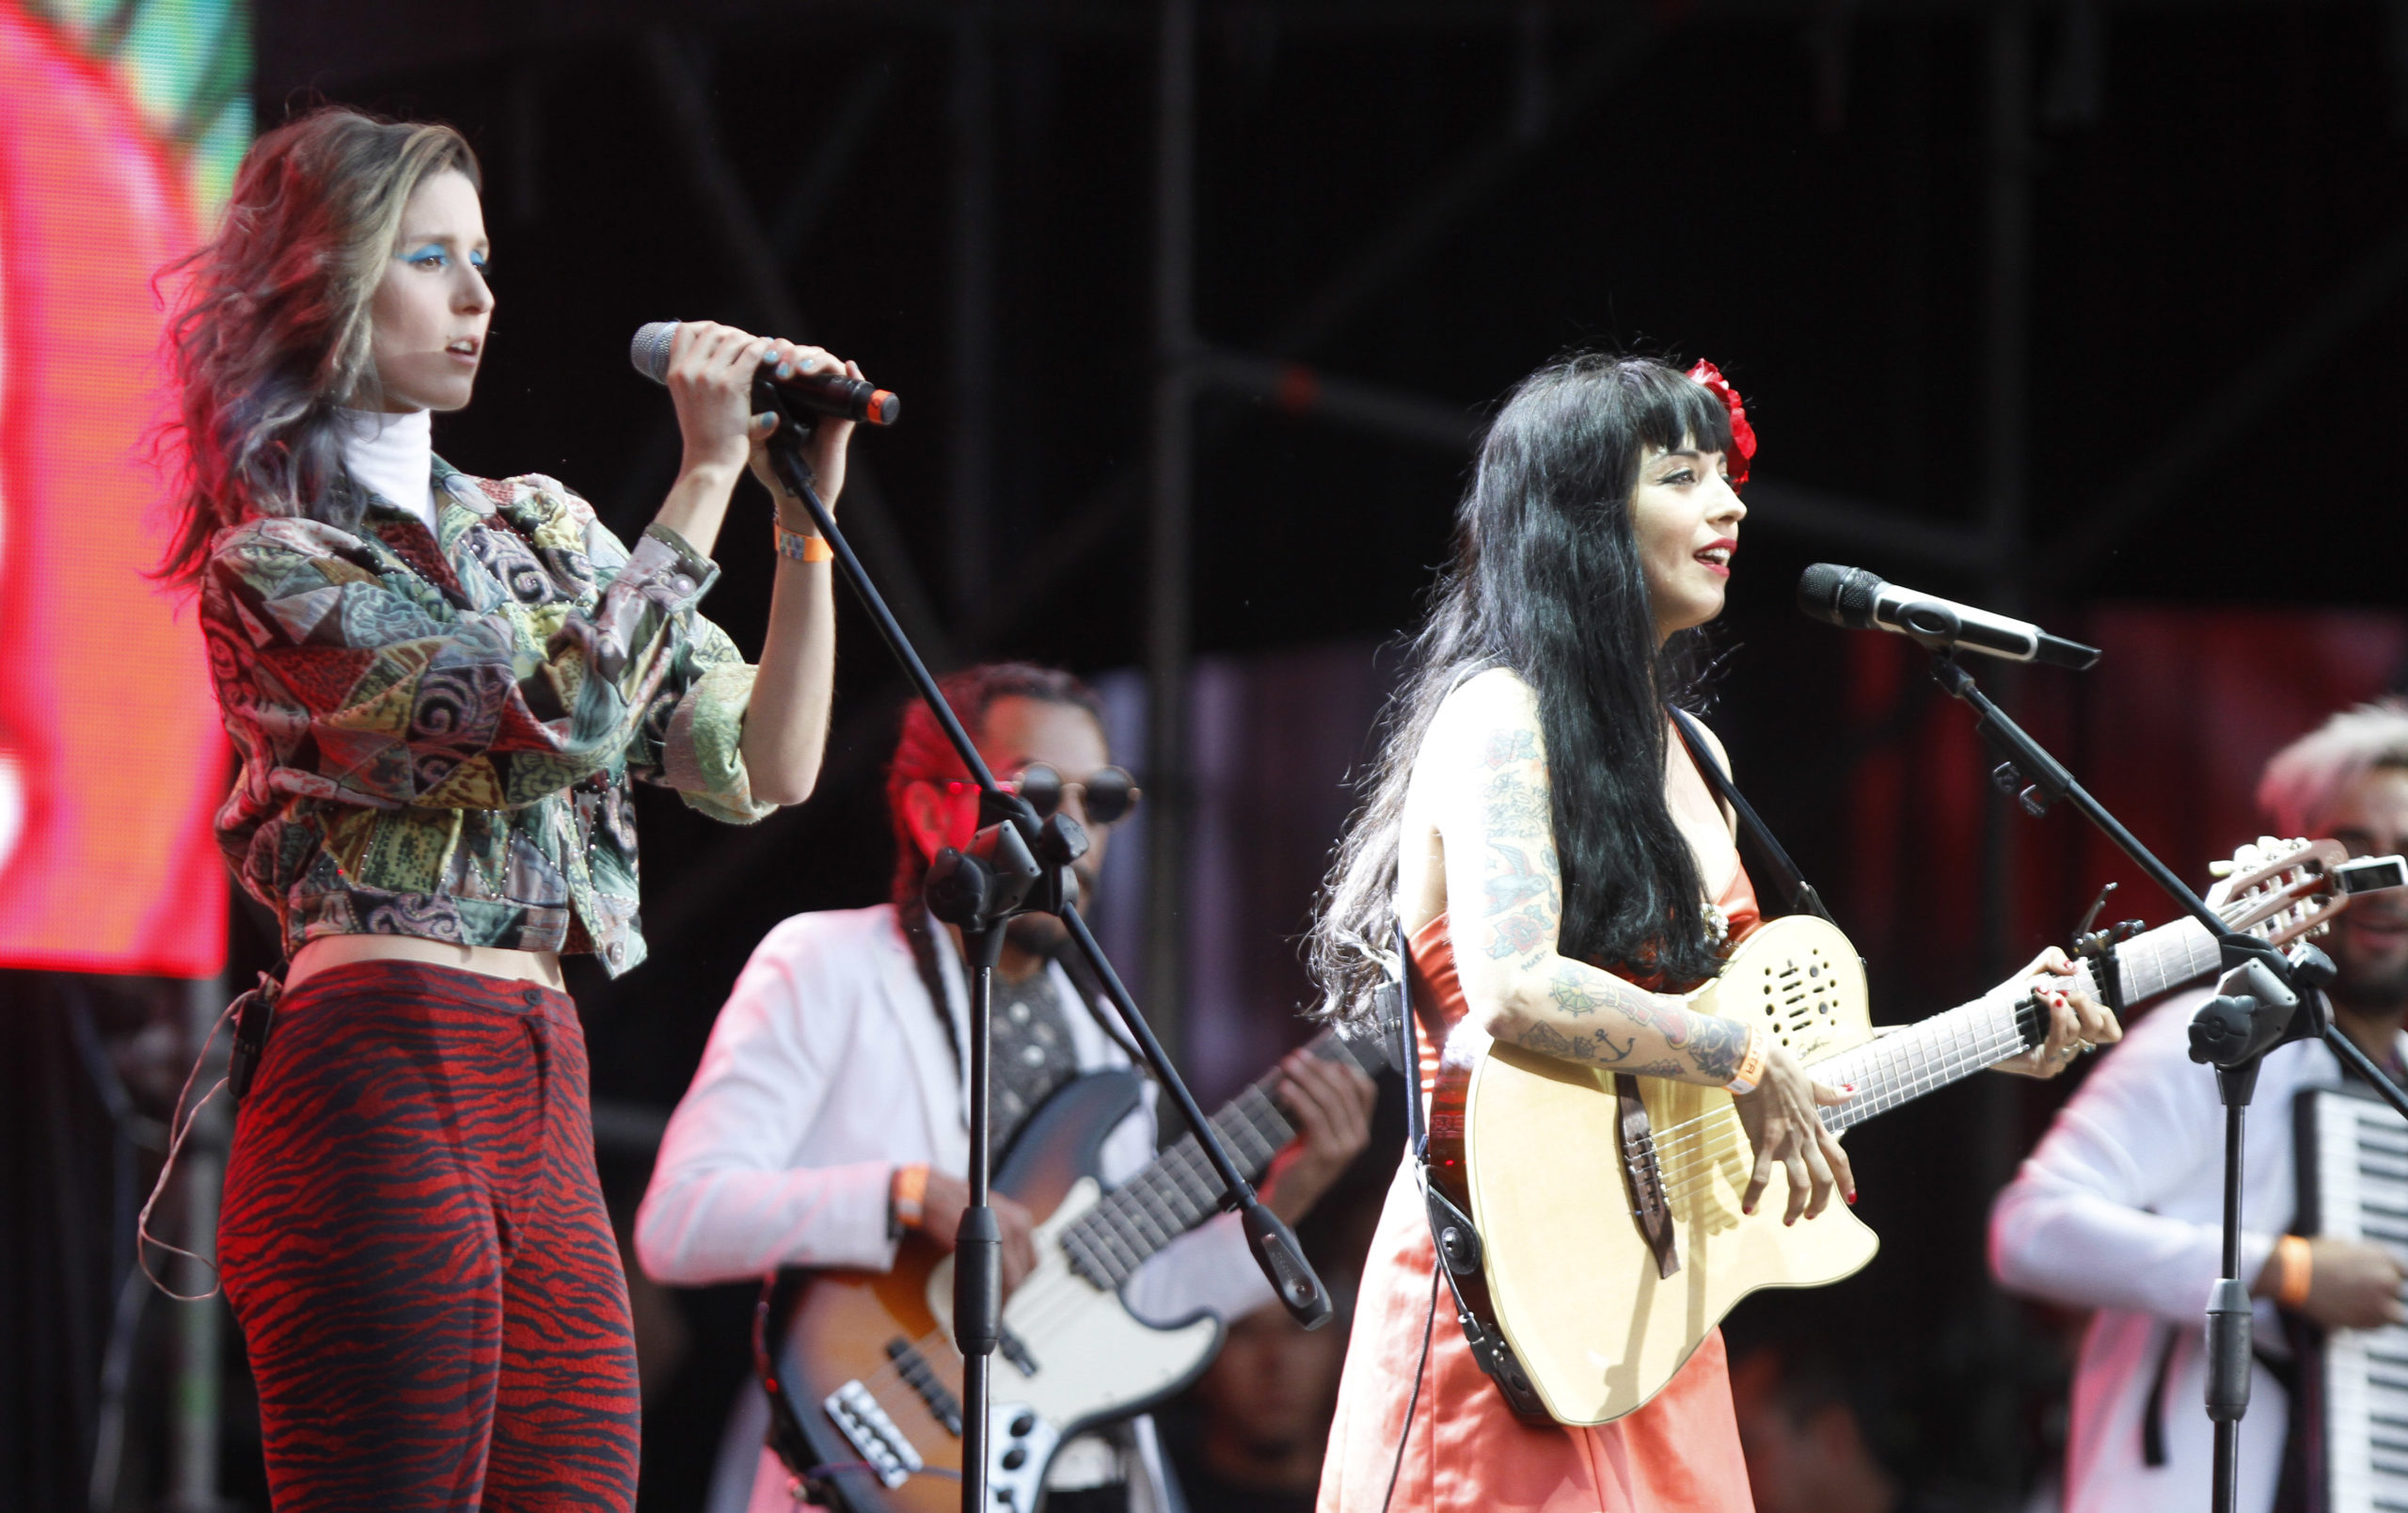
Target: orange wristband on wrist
x=906, y=1197
x=1751, y=1066
x=804, y=546
x=2294, y=1269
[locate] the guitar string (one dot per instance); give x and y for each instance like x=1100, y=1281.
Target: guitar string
x=1671, y=1137
x=1887, y=1061
x=1049, y=1298
x=1687, y=1166
x=1696, y=1158
x=1122, y=1218
x=1686, y=1163
x=1693, y=1171
x=2189, y=934
x=2160, y=941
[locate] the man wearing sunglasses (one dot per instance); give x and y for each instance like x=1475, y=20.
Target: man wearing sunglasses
x=830, y=1115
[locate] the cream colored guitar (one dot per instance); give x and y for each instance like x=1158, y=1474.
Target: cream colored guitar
x=1529, y=1146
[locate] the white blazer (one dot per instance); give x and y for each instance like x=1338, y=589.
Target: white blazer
x=828, y=1069
x=2120, y=1209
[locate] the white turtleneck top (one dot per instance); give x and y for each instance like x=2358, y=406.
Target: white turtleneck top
x=392, y=456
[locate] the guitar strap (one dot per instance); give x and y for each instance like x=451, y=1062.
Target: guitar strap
x=1802, y=896
x=1452, y=1232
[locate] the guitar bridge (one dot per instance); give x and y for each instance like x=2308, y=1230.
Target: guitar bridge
x=881, y=1443
x=1644, y=1178
x=913, y=1368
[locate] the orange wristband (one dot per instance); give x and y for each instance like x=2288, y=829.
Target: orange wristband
x=1751, y=1066
x=2294, y=1269
x=906, y=1197
x=804, y=548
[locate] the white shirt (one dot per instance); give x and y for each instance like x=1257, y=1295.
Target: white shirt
x=827, y=1070
x=2121, y=1209
x=392, y=456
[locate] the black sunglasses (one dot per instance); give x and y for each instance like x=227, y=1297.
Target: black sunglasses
x=1108, y=795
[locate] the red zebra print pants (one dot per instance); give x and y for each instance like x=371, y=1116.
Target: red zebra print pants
x=414, y=1242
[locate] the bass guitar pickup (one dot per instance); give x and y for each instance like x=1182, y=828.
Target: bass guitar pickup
x=914, y=1370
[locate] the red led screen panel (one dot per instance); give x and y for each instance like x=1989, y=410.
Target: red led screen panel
x=111, y=758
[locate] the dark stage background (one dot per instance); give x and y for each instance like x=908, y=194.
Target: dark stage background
x=2089, y=310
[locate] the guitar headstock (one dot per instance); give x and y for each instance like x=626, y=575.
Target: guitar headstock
x=2280, y=890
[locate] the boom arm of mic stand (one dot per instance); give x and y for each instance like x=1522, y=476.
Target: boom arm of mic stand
x=2228, y=1306
x=1273, y=1244
x=2048, y=774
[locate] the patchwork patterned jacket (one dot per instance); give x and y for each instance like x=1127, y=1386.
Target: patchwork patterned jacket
x=436, y=732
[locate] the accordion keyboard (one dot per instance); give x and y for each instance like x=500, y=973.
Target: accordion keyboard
x=2354, y=1161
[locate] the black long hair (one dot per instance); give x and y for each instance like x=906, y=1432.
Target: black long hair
x=1547, y=581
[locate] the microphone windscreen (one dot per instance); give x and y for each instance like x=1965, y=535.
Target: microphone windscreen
x=1839, y=596
x=649, y=351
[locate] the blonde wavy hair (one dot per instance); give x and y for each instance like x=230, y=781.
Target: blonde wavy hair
x=275, y=329
x=2307, y=777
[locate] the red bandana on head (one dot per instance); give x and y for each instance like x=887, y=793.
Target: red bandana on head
x=1743, y=435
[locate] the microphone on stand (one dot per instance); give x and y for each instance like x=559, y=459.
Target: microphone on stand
x=839, y=394
x=1857, y=600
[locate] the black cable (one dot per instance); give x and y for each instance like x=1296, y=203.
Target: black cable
x=1428, y=1323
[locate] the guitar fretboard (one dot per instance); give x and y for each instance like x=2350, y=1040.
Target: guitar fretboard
x=2166, y=957
x=1180, y=1189
x=1906, y=1064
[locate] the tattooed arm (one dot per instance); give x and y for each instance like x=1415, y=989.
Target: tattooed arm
x=1484, y=778
x=1486, y=759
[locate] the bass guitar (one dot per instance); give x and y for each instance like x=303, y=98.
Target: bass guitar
x=1605, y=1264
x=864, y=1378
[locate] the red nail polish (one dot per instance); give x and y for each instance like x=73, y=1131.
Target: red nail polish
x=1748, y=1209
x=1851, y=1199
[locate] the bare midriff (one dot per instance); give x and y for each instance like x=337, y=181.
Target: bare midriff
x=329, y=951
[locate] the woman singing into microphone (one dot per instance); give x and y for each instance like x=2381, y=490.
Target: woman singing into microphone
x=440, y=687
x=1562, y=868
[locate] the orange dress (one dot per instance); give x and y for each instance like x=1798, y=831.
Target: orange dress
x=1464, y=1452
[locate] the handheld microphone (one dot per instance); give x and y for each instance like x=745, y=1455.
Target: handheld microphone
x=839, y=394
x=1857, y=600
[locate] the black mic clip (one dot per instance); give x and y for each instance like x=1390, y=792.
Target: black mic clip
x=979, y=885
x=2033, y=792
x=2264, y=1000
x=1014, y=865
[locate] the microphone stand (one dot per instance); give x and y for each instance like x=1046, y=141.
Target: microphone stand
x=1016, y=866
x=2260, y=1005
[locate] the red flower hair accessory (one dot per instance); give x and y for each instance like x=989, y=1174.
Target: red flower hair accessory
x=1743, y=435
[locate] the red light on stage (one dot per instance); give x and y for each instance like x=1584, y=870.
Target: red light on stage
x=111, y=758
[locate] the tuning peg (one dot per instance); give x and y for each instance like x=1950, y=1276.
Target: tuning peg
x=2221, y=869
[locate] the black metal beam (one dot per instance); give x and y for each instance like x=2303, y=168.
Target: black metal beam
x=869, y=522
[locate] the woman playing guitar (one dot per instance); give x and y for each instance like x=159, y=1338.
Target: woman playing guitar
x=1561, y=866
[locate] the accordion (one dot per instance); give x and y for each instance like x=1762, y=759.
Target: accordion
x=2352, y=1153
